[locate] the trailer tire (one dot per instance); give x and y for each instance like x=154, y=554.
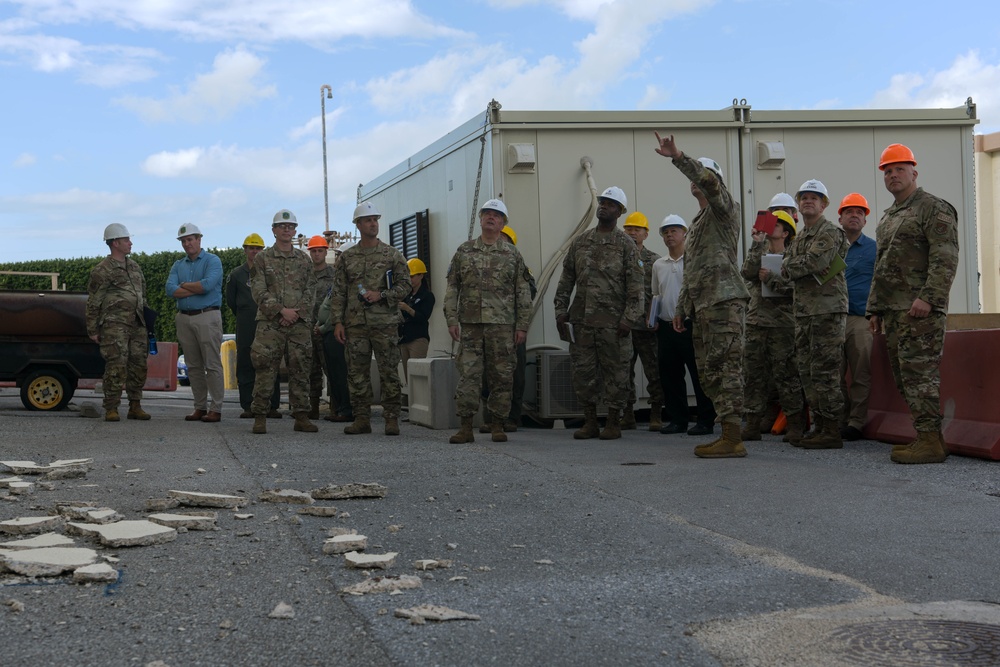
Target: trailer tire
x=46, y=389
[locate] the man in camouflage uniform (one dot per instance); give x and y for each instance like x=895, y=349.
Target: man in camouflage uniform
x=370, y=279
x=713, y=295
x=644, y=341
x=603, y=265
x=487, y=306
x=915, y=265
x=318, y=249
x=240, y=301
x=116, y=297
x=769, y=353
x=820, y=303
x=283, y=284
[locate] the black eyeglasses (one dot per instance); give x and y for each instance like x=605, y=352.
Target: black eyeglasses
x=285, y=225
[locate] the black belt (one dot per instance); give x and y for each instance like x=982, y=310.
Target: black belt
x=199, y=311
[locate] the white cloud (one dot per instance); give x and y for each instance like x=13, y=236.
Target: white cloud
x=25, y=160
x=106, y=66
x=654, y=98
x=233, y=82
x=171, y=165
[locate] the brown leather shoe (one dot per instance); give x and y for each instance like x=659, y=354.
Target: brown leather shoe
x=195, y=416
x=212, y=417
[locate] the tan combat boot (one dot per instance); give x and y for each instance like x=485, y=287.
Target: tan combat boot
x=303, y=424
x=361, y=424
x=927, y=448
x=590, y=429
x=259, y=424
x=314, y=407
x=655, y=417
x=135, y=411
x=613, y=425
x=727, y=446
x=392, y=425
x=817, y=427
x=827, y=436
x=628, y=420
x=497, y=430
x=486, y=427
x=796, y=424
x=111, y=415
x=752, y=430
x=464, y=433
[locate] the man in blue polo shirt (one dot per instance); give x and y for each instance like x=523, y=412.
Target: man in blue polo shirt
x=860, y=261
x=195, y=281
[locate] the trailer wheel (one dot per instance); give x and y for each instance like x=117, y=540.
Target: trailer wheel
x=46, y=389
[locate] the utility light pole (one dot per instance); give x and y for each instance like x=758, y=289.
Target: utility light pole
x=326, y=187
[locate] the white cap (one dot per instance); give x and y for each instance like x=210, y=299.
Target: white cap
x=712, y=165
x=364, y=210
x=188, y=230
x=812, y=185
x=615, y=194
x=115, y=230
x=494, y=205
x=284, y=216
x=782, y=199
x=673, y=220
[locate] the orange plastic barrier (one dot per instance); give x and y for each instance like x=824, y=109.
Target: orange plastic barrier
x=970, y=385
x=161, y=370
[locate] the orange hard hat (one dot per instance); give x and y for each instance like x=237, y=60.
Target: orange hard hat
x=854, y=199
x=896, y=153
x=318, y=242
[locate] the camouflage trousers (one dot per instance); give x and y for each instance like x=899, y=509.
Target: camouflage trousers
x=718, y=349
x=485, y=357
x=857, y=360
x=516, y=387
x=819, y=352
x=600, y=355
x=915, y=345
x=644, y=344
x=362, y=342
x=124, y=349
x=317, y=369
x=769, y=360
x=271, y=343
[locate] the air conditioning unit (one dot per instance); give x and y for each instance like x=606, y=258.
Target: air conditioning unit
x=556, y=397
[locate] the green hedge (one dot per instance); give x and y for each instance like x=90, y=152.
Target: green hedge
x=75, y=274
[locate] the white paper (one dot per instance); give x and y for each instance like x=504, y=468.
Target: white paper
x=773, y=264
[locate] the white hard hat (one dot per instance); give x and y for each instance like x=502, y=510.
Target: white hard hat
x=365, y=209
x=782, y=199
x=283, y=216
x=712, y=165
x=115, y=230
x=812, y=185
x=494, y=205
x=673, y=220
x=616, y=194
x=188, y=230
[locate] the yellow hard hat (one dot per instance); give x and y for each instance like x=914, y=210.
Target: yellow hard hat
x=636, y=220
x=510, y=234
x=416, y=266
x=254, y=240
x=784, y=217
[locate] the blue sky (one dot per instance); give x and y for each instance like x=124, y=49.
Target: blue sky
x=159, y=113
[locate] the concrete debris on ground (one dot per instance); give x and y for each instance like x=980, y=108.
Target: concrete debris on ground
x=370, y=561
x=7, y=481
x=30, y=525
x=188, y=521
x=46, y=540
x=432, y=612
x=16, y=606
x=319, y=510
x=286, y=496
x=341, y=544
x=243, y=517
x=21, y=488
x=335, y=492
x=66, y=473
x=282, y=610
x=90, y=410
x=386, y=584
x=91, y=514
x=162, y=504
x=431, y=564
x=138, y=533
x=340, y=530
x=32, y=468
x=99, y=573
x=48, y=561
x=198, y=499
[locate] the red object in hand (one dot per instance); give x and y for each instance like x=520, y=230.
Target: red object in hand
x=765, y=222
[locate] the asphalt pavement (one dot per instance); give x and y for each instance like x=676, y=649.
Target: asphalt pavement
x=570, y=552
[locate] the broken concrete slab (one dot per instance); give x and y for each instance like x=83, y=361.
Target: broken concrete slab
x=7, y=481
x=370, y=561
x=46, y=540
x=341, y=544
x=48, y=561
x=282, y=610
x=162, y=504
x=335, y=492
x=138, y=533
x=71, y=463
x=23, y=467
x=286, y=496
x=21, y=488
x=66, y=473
x=318, y=510
x=431, y=564
x=189, y=521
x=199, y=499
x=99, y=573
x=433, y=612
x=29, y=525
x=84, y=529
x=385, y=584
x=91, y=514
x=340, y=530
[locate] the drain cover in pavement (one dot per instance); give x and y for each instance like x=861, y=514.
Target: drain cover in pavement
x=920, y=643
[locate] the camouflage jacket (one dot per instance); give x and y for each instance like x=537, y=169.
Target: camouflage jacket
x=808, y=258
x=116, y=294
x=487, y=285
x=283, y=280
x=711, y=274
x=608, y=275
x=368, y=267
x=769, y=312
x=647, y=257
x=324, y=285
x=917, y=255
